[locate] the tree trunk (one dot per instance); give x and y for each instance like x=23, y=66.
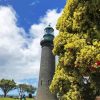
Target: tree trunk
x=5, y=94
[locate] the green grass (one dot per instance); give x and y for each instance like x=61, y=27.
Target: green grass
x=13, y=99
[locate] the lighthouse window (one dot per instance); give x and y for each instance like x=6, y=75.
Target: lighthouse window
x=41, y=82
x=48, y=82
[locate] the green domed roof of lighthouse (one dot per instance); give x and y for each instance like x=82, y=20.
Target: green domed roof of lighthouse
x=48, y=35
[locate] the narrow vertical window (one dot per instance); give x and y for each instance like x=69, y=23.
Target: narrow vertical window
x=48, y=82
x=41, y=82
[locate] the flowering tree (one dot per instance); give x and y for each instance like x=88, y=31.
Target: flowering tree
x=78, y=48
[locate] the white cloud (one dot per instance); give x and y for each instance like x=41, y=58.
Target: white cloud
x=50, y=17
x=15, y=61
x=34, y=3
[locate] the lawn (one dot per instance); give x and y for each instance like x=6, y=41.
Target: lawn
x=13, y=99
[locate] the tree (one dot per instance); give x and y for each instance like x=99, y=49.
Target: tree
x=7, y=85
x=31, y=90
x=26, y=88
x=21, y=89
x=78, y=48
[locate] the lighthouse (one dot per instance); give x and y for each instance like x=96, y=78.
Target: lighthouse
x=47, y=66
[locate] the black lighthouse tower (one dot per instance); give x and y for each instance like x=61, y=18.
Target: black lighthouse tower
x=47, y=66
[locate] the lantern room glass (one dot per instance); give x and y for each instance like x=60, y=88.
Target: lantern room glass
x=49, y=30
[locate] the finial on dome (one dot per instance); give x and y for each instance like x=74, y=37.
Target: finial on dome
x=49, y=25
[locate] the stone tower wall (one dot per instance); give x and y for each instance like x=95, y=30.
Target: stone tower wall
x=47, y=69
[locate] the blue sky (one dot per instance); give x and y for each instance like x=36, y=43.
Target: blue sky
x=22, y=24
x=29, y=11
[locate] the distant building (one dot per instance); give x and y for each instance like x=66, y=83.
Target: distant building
x=47, y=66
